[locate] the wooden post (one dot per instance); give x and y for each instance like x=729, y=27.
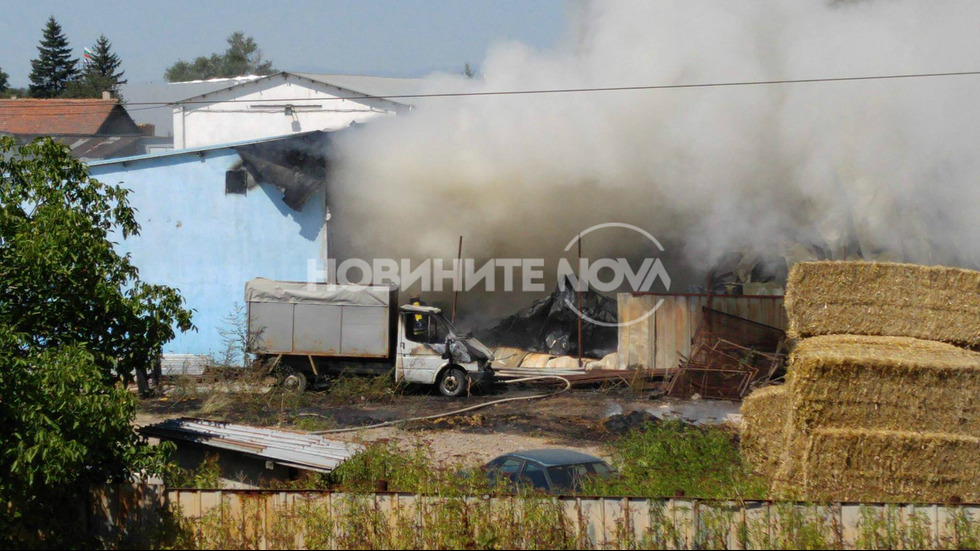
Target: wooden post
x=456, y=283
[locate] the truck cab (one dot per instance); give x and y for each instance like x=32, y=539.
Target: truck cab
x=432, y=351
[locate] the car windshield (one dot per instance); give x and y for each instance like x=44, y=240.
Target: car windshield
x=570, y=476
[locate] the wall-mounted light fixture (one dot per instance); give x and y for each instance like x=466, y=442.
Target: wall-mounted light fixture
x=289, y=111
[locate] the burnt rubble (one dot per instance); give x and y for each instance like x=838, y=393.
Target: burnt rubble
x=550, y=325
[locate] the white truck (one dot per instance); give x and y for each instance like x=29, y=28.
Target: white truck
x=311, y=331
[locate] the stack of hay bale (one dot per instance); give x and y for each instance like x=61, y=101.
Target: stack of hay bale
x=882, y=398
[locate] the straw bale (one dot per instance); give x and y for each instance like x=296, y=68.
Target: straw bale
x=763, y=422
x=888, y=383
x=787, y=477
x=863, y=465
x=880, y=418
x=884, y=299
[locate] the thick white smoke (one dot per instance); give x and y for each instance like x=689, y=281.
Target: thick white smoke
x=890, y=166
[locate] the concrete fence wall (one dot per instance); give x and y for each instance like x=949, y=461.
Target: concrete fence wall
x=129, y=516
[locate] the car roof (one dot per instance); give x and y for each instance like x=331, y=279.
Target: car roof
x=553, y=457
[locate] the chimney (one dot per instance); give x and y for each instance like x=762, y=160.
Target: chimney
x=106, y=94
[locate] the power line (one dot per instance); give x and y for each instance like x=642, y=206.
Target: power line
x=160, y=104
x=633, y=88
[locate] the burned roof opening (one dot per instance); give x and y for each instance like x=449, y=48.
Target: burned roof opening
x=297, y=166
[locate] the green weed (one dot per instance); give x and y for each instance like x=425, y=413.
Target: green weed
x=674, y=458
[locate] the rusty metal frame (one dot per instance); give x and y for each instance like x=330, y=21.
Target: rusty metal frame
x=712, y=356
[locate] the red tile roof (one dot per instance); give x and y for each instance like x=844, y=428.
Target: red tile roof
x=53, y=117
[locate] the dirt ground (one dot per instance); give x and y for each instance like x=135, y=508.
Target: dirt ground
x=573, y=419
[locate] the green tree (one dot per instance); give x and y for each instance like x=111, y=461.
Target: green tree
x=243, y=57
x=100, y=74
x=75, y=323
x=54, y=68
x=4, y=82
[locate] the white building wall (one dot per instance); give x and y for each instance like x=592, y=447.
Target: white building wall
x=277, y=106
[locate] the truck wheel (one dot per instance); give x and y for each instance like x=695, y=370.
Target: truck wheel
x=293, y=381
x=453, y=382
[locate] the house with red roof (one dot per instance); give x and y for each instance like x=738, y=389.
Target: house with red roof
x=92, y=128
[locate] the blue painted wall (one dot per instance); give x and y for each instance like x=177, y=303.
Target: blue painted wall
x=208, y=244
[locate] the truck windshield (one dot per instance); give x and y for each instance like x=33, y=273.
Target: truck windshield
x=448, y=326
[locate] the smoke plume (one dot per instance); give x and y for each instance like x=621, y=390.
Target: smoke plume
x=879, y=169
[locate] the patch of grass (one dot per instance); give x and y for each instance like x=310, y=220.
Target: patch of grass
x=383, y=466
x=352, y=389
x=666, y=459
x=314, y=423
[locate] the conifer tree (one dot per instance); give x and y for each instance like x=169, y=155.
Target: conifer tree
x=100, y=72
x=54, y=68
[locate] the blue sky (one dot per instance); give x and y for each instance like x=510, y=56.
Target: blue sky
x=390, y=38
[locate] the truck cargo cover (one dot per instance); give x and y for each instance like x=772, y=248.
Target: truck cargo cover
x=268, y=290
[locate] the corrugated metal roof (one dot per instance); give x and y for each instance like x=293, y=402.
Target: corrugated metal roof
x=100, y=147
x=369, y=85
x=360, y=85
x=203, y=148
x=292, y=449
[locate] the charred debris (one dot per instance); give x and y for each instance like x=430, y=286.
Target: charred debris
x=550, y=325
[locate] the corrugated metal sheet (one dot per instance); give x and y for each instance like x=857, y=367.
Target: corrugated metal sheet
x=661, y=340
x=176, y=365
x=291, y=449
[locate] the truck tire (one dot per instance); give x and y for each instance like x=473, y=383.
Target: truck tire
x=293, y=380
x=453, y=382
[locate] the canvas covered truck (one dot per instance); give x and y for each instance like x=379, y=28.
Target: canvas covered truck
x=311, y=331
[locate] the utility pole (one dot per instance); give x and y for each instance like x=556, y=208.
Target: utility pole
x=578, y=292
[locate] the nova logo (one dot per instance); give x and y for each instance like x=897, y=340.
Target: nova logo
x=608, y=275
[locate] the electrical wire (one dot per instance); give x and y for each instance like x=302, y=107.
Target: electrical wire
x=158, y=105
x=568, y=385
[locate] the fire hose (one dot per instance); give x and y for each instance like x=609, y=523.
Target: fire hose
x=568, y=385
